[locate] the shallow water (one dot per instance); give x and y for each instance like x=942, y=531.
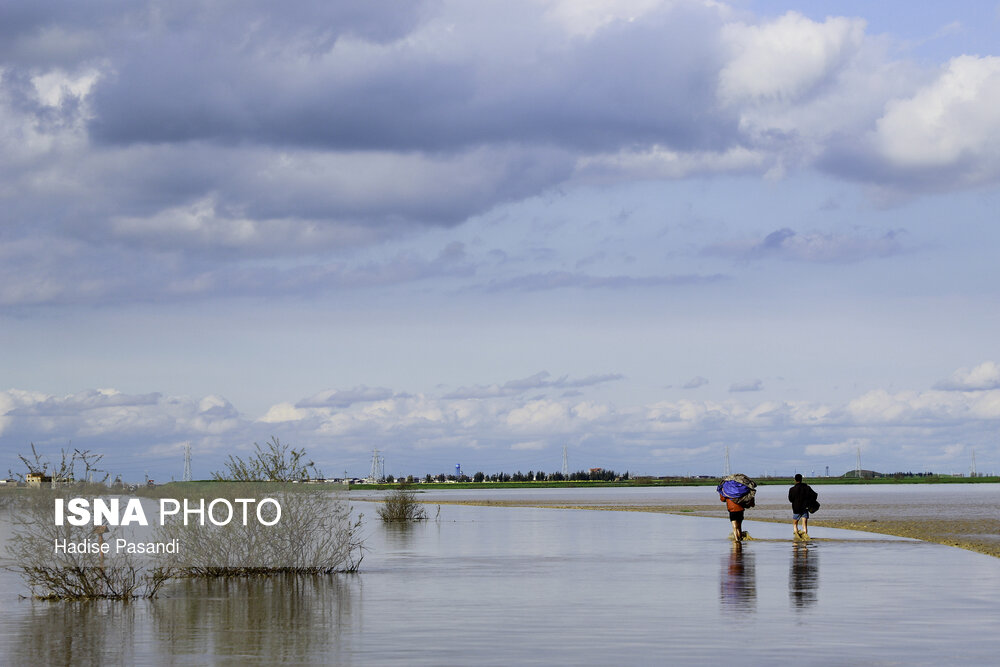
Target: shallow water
x=884, y=500
x=501, y=586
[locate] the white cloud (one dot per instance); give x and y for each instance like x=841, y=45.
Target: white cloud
x=542, y=414
x=906, y=428
x=838, y=449
x=585, y=17
x=283, y=412
x=787, y=58
x=530, y=445
x=951, y=122
x=984, y=376
x=56, y=85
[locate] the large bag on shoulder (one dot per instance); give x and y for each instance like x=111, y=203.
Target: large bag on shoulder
x=813, y=506
x=739, y=488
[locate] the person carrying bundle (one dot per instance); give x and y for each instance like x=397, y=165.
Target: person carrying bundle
x=804, y=502
x=737, y=491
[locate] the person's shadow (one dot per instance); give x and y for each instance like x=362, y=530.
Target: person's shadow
x=738, y=582
x=803, y=575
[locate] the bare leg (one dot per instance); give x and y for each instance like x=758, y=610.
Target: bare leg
x=736, y=531
x=805, y=525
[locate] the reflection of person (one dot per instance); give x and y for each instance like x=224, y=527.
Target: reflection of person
x=735, y=516
x=803, y=577
x=738, y=584
x=801, y=496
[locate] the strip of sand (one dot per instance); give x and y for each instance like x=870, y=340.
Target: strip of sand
x=979, y=535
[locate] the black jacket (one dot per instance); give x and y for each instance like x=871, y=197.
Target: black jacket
x=800, y=496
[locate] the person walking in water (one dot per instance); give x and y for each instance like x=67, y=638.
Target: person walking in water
x=737, y=491
x=735, y=517
x=801, y=496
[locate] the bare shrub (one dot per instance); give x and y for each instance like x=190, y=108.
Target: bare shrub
x=315, y=535
x=276, y=462
x=53, y=574
x=400, y=505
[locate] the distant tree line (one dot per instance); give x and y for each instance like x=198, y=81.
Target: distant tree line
x=595, y=475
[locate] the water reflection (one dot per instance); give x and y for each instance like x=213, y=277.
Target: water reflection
x=78, y=633
x=738, y=587
x=275, y=619
x=399, y=535
x=803, y=575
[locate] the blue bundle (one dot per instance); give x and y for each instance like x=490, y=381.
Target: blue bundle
x=739, y=488
x=732, y=489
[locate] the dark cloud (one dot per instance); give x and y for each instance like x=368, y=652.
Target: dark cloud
x=787, y=244
x=343, y=398
x=541, y=380
x=695, y=382
x=170, y=149
x=255, y=75
x=749, y=385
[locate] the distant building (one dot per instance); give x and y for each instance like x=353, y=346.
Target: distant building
x=36, y=479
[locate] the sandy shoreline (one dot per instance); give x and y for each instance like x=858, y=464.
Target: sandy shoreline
x=979, y=535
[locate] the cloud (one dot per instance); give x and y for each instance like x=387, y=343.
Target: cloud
x=695, y=382
x=749, y=385
x=531, y=445
x=787, y=58
x=540, y=380
x=134, y=432
x=787, y=244
x=937, y=136
x=839, y=448
x=343, y=398
x=422, y=432
x=72, y=272
x=983, y=377
x=240, y=132
x=947, y=123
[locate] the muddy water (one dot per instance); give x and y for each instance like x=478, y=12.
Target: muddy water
x=502, y=586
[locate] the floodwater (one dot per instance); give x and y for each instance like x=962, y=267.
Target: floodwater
x=503, y=586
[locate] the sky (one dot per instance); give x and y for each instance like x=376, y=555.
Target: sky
x=646, y=233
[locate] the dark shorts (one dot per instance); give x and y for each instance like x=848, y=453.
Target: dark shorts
x=736, y=516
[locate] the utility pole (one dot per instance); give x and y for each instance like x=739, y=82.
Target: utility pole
x=727, y=461
x=565, y=469
x=972, y=472
x=187, y=461
x=859, y=463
